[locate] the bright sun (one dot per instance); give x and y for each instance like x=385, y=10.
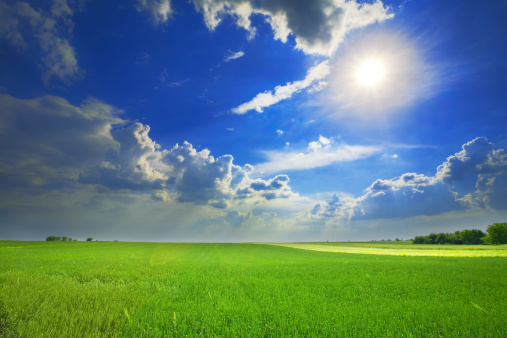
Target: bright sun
x=370, y=73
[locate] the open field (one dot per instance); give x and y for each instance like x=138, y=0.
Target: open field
x=71, y=289
x=403, y=249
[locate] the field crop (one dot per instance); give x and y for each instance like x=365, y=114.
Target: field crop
x=76, y=289
x=404, y=249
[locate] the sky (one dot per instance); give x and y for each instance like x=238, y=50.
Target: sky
x=248, y=121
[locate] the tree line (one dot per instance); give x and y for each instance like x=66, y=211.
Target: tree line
x=496, y=233
x=65, y=239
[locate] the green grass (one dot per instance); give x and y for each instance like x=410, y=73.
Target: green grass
x=148, y=289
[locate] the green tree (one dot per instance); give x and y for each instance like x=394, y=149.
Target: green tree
x=64, y=238
x=442, y=238
x=497, y=233
x=418, y=240
x=473, y=236
x=53, y=238
x=89, y=239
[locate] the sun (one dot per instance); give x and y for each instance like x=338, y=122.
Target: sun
x=370, y=72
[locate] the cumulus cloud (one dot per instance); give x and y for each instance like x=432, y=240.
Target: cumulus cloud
x=408, y=195
x=47, y=140
x=475, y=177
x=317, y=26
x=280, y=93
x=159, y=10
x=319, y=153
x=232, y=56
x=478, y=165
x=134, y=164
x=47, y=143
x=51, y=29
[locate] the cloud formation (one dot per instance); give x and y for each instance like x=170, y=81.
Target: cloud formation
x=192, y=176
x=48, y=143
x=317, y=26
x=232, y=56
x=159, y=10
x=449, y=189
x=52, y=29
x=268, y=98
x=318, y=154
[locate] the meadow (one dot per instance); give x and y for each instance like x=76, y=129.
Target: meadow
x=120, y=289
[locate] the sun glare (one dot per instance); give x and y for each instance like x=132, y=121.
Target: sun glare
x=370, y=73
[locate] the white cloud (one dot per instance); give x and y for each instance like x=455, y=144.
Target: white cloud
x=318, y=154
x=159, y=10
x=280, y=93
x=408, y=195
x=318, y=26
x=475, y=177
x=279, y=132
x=47, y=142
x=232, y=56
x=52, y=30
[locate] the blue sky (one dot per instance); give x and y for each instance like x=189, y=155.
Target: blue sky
x=159, y=120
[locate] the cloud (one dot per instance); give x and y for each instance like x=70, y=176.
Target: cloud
x=478, y=165
x=193, y=176
x=280, y=93
x=317, y=26
x=47, y=141
x=51, y=28
x=47, y=144
x=408, y=195
x=318, y=154
x=475, y=177
x=159, y=10
x=233, y=56
x=134, y=164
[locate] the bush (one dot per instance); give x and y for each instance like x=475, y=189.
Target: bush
x=497, y=232
x=89, y=239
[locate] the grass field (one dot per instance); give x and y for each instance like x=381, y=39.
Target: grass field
x=76, y=289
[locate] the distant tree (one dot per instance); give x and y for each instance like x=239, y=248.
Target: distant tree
x=442, y=238
x=418, y=240
x=473, y=236
x=497, y=233
x=456, y=238
x=53, y=238
x=89, y=239
x=64, y=238
x=397, y=239
x=70, y=239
